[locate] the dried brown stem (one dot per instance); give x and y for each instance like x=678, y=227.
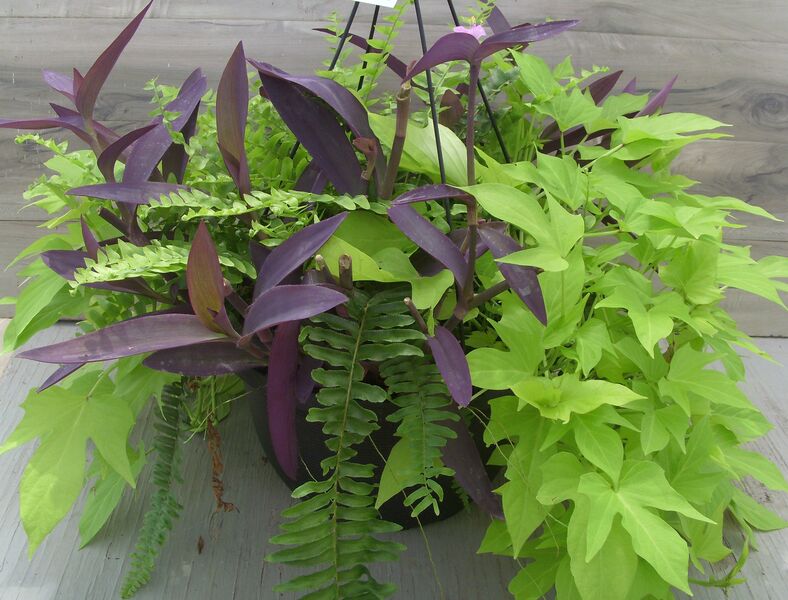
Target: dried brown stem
x=217, y=467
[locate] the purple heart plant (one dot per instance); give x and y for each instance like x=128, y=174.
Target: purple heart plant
x=523, y=321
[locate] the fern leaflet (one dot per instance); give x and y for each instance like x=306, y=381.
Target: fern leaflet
x=164, y=509
x=416, y=386
x=333, y=530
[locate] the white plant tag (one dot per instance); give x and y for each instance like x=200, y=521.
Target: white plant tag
x=386, y=3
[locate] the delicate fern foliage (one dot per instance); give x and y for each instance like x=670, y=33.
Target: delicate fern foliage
x=200, y=205
x=124, y=260
x=164, y=509
x=416, y=386
x=333, y=529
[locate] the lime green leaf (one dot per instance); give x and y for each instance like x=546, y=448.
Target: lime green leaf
x=693, y=271
x=428, y=291
x=534, y=580
x=544, y=258
x=666, y=126
x=642, y=486
x=611, y=572
x=64, y=419
x=592, y=338
x=561, y=396
x=687, y=377
x=600, y=444
x=755, y=514
x=653, y=434
x=536, y=74
x=560, y=475
x=398, y=473
x=745, y=462
x=420, y=154
x=563, y=179
x=103, y=499
x=493, y=369
x=570, y=110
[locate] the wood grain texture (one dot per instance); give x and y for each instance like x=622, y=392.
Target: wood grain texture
x=731, y=58
x=733, y=19
x=231, y=564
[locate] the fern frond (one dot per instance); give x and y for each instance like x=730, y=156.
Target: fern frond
x=199, y=205
x=333, y=529
x=124, y=260
x=164, y=508
x=416, y=386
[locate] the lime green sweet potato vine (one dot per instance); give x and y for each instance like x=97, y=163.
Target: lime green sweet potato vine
x=622, y=426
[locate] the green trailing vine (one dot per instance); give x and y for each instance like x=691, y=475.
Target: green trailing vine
x=164, y=509
x=417, y=388
x=333, y=527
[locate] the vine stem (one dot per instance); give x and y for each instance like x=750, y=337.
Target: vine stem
x=398, y=144
x=473, y=218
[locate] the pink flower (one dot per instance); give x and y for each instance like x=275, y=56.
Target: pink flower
x=474, y=29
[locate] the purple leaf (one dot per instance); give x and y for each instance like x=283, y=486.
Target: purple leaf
x=136, y=336
x=461, y=46
x=521, y=36
x=461, y=454
x=281, y=396
x=453, y=46
x=305, y=385
x=91, y=244
x=205, y=281
x=398, y=67
x=48, y=123
x=258, y=253
x=59, y=82
x=147, y=154
x=600, y=88
x=314, y=124
x=452, y=364
x=429, y=192
x=289, y=303
x=497, y=22
x=105, y=135
x=659, y=99
x=428, y=237
x=88, y=89
x=294, y=252
x=200, y=360
x=140, y=192
x=451, y=109
x=312, y=180
x=59, y=375
x=523, y=280
x=232, y=105
x=64, y=262
x=631, y=87
x=110, y=154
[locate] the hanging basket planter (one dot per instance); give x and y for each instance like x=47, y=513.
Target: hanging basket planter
x=484, y=288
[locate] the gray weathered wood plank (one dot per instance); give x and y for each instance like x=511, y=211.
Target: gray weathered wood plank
x=753, y=100
x=722, y=19
x=231, y=565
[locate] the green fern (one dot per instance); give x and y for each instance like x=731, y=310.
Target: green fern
x=164, y=509
x=124, y=260
x=333, y=529
x=416, y=386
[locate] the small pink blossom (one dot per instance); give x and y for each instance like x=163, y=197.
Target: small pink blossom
x=474, y=29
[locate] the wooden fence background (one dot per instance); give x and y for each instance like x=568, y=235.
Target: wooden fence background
x=731, y=57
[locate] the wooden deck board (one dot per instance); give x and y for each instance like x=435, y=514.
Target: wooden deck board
x=231, y=564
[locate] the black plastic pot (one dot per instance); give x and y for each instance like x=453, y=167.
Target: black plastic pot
x=312, y=450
